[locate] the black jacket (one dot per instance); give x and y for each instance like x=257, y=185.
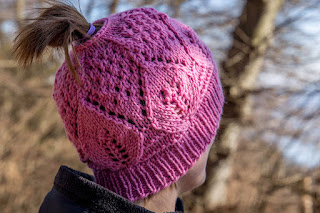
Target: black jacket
x=76, y=192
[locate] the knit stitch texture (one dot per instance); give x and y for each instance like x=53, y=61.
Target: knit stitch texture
x=149, y=105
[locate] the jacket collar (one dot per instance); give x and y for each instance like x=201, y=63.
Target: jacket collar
x=81, y=188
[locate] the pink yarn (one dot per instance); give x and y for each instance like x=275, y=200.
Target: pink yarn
x=150, y=102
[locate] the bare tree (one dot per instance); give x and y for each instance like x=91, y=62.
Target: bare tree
x=241, y=67
x=113, y=6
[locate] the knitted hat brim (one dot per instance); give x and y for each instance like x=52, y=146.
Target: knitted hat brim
x=167, y=166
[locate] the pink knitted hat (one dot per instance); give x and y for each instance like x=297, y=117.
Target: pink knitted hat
x=149, y=105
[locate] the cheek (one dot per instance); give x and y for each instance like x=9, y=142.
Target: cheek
x=200, y=170
x=201, y=178
x=196, y=176
x=200, y=173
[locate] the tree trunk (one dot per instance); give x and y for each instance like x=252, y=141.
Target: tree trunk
x=240, y=69
x=113, y=6
x=20, y=6
x=175, y=7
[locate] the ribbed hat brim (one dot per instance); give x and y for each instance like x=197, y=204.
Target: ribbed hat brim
x=167, y=166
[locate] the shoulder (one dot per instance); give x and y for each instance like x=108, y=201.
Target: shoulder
x=65, y=195
x=56, y=202
x=76, y=192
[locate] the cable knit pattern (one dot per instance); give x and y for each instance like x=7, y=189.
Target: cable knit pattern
x=149, y=105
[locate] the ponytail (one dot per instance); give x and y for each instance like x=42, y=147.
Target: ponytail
x=57, y=26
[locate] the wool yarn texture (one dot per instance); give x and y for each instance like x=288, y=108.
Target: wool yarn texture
x=149, y=104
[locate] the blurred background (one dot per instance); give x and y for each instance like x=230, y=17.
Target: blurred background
x=266, y=157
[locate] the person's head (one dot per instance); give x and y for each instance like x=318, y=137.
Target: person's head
x=141, y=99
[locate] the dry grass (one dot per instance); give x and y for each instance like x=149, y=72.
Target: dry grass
x=33, y=142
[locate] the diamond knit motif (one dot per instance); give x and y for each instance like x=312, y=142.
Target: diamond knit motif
x=149, y=105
